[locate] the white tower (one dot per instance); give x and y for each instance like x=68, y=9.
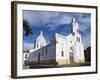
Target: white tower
x=40, y=41
x=77, y=51
x=74, y=29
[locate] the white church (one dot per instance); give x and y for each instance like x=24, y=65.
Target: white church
x=61, y=50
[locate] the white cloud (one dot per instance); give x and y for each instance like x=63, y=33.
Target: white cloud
x=37, y=18
x=86, y=39
x=86, y=19
x=83, y=27
x=52, y=20
x=52, y=26
x=27, y=46
x=66, y=19
x=43, y=18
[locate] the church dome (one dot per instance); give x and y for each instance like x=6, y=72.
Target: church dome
x=40, y=41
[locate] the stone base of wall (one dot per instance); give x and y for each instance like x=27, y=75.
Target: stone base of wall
x=80, y=61
x=62, y=61
x=42, y=62
x=54, y=62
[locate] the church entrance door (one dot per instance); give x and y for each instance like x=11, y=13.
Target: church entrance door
x=71, y=57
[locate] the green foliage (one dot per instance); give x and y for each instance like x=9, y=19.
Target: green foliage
x=27, y=29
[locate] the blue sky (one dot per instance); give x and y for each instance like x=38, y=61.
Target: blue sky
x=51, y=22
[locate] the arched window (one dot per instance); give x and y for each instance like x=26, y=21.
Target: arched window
x=78, y=39
x=37, y=45
x=71, y=48
x=77, y=30
x=25, y=55
x=62, y=53
x=73, y=33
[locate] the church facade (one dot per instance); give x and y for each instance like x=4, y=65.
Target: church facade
x=61, y=50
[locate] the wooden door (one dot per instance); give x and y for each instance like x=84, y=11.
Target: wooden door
x=71, y=58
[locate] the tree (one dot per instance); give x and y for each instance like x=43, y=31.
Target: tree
x=27, y=29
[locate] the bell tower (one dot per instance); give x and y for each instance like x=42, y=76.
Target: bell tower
x=74, y=27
